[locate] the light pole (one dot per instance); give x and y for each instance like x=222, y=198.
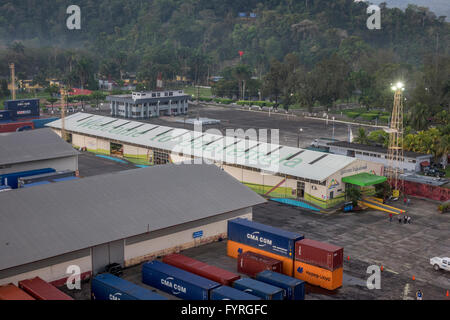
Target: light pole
x=333, y=130
x=298, y=137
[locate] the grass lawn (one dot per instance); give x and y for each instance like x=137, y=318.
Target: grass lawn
x=204, y=92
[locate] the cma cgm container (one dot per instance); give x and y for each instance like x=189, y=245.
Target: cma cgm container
x=251, y=263
x=267, y=238
x=11, y=179
x=16, y=126
x=201, y=269
x=180, y=283
x=320, y=254
x=294, y=289
x=228, y=293
x=11, y=292
x=259, y=289
x=42, y=290
x=49, y=176
x=317, y=276
x=23, y=108
x=106, y=286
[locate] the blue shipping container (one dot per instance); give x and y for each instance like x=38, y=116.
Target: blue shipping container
x=5, y=115
x=294, y=288
x=23, y=108
x=36, y=184
x=40, y=123
x=106, y=286
x=65, y=179
x=10, y=179
x=180, y=283
x=229, y=293
x=260, y=289
x=263, y=237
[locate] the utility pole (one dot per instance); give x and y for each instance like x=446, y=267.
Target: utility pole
x=13, y=80
x=298, y=137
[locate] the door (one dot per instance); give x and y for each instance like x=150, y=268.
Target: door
x=331, y=194
x=300, y=189
x=105, y=254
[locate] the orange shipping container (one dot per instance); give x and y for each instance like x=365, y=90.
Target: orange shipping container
x=318, y=276
x=11, y=292
x=234, y=248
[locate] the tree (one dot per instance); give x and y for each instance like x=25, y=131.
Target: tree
x=97, y=96
x=242, y=73
x=353, y=194
x=361, y=136
x=275, y=81
x=419, y=115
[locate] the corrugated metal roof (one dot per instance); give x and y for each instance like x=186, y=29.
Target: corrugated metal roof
x=32, y=145
x=284, y=160
x=50, y=220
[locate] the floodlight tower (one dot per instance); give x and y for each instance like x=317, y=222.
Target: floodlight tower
x=395, y=151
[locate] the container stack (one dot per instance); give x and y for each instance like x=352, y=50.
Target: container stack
x=319, y=263
x=251, y=263
x=245, y=235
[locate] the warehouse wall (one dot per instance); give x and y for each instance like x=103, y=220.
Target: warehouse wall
x=59, y=164
x=50, y=270
x=173, y=239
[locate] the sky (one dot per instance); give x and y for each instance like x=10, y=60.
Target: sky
x=439, y=7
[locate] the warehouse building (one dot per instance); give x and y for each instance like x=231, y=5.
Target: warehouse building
x=412, y=160
x=142, y=105
x=126, y=217
x=35, y=149
x=269, y=169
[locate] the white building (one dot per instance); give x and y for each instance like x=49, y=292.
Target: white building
x=141, y=105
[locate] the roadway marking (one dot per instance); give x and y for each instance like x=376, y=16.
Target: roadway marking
x=405, y=292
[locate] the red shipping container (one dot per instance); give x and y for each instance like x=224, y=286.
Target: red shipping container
x=201, y=269
x=319, y=254
x=11, y=292
x=251, y=263
x=42, y=290
x=14, y=126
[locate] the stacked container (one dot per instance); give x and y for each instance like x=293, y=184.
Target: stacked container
x=251, y=263
x=245, y=235
x=16, y=126
x=201, y=269
x=180, y=283
x=319, y=263
x=42, y=290
x=11, y=292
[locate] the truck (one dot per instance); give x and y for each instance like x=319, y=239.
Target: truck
x=440, y=263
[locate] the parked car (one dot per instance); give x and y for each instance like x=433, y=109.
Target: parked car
x=114, y=268
x=440, y=263
x=435, y=172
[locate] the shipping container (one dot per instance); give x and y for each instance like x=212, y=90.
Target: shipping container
x=49, y=176
x=106, y=286
x=229, y=293
x=5, y=188
x=263, y=237
x=40, y=123
x=11, y=292
x=23, y=108
x=321, y=277
x=11, y=179
x=180, y=283
x=16, y=126
x=42, y=290
x=294, y=289
x=320, y=254
x=65, y=179
x=5, y=115
x=260, y=289
x=34, y=184
x=251, y=263
x=235, y=248
x=201, y=269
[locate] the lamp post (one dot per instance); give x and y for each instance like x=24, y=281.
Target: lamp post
x=298, y=137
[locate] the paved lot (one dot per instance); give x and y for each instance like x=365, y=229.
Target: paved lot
x=91, y=165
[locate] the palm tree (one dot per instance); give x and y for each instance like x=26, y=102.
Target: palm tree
x=362, y=136
x=419, y=116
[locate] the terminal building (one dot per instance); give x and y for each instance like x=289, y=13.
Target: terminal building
x=143, y=105
x=269, y=169
x=126, y=218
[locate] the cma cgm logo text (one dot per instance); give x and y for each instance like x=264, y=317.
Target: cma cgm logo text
x=261, y=240
x=115, y=296
x=176, y=288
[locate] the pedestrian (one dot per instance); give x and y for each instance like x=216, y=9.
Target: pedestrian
x=405, y=219
x=409, y=220
x=407, y=202
x=399, y=219
x=404, y=201
x=419, y=295
x=390, y=217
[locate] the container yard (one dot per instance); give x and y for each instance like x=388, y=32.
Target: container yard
x=42, y=290
x=294, y=289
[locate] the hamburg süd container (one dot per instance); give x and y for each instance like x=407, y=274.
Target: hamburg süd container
x=294, y=288
x=317, y=276
x=16, y=126
x=229, y=293
x=42, y=290
x=178, y=282
x=201, y=269
x=11, y=292
x=259, y=289
x=11, y=179
x=263, y=237
x=106, y=286
x=23, y=108
x=235, y=248
x=251, y=263
x=320, y=254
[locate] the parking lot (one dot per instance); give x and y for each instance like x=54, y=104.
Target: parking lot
x=368, y=239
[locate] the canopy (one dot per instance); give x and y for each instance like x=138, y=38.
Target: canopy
x=364, y=179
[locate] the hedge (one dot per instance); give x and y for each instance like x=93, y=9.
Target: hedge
x=369, y=116
x=255, y=103
x=224, y=101
x=385, y=118
x=352, y=114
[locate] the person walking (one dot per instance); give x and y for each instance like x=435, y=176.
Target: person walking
x=399, y=219
x=419, y=295
x=390, y=217
x=409, y=220
x=405, y=219
x=408, y=202
x=404, y=201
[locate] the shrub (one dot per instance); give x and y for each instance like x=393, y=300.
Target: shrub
x=385, y=118
x=445, y=207
x=352, y=114
x=369, y=116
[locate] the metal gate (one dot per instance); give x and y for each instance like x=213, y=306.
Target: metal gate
x=105, y=254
